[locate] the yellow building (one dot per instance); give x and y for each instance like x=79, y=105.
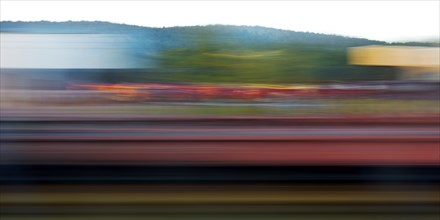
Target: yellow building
x=415, y=62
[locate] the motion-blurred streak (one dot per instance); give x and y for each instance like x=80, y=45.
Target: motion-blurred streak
x=375, y=175
x=364, y=151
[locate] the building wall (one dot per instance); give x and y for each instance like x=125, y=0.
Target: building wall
x=66, y=51
x=416, y=63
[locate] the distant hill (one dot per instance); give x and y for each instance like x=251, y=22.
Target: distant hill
x=183, y=36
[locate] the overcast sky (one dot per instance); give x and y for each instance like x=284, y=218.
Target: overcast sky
x=379, y=20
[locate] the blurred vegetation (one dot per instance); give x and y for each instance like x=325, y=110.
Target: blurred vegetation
x=214, y=59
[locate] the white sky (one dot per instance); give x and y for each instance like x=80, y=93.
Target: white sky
x=380, y=20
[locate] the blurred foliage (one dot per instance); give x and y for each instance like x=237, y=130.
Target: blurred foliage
x=215, y=60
